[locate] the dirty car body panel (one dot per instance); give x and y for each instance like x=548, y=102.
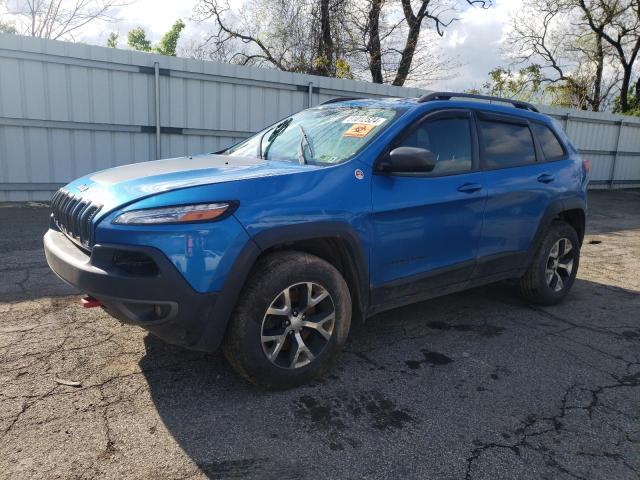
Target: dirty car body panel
x=406, y=237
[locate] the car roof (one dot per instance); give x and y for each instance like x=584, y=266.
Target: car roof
x=414, y=103
x=388, y=102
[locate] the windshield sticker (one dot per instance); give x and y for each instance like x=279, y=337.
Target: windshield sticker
x=358, y=130
x=365, y=120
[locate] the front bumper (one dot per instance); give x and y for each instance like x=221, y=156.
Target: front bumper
x=160, y=301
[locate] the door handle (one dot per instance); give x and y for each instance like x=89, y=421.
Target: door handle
x=546, y=178
x=469, y=187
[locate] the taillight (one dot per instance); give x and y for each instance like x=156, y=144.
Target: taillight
x=587, y=166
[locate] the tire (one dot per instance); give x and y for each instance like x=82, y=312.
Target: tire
x=549, y=278
x=278, y=342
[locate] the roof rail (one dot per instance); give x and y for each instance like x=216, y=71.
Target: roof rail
x=448, y=95
x=341, y=99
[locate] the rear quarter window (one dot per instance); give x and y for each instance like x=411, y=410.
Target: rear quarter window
x=551, y=146
x=505, y=144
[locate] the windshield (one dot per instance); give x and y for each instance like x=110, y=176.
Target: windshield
x=319, y=136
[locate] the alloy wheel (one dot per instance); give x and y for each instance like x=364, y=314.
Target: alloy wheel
x=559, y=264
x=298, y=325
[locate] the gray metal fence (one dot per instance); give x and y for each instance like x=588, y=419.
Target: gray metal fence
x=68, y=109
x=610, y=142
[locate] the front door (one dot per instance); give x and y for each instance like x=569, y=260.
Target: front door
x=427, y=226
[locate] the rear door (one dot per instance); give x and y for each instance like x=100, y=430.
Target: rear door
x=426, y=226
x=520, y=185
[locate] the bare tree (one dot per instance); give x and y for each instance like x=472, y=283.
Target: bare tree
x=372, y=41
x=325, y=41
x=302, y=36
x=370, y=38
x=585, y=49
x=441, y=14
x=617, y=22
x=59, y=19
x=561, y=54
x=397, y=46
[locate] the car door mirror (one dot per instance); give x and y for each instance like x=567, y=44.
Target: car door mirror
x=407, y=160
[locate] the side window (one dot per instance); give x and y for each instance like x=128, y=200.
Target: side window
x=448, y=138
x=551, y=147
x=505, y=144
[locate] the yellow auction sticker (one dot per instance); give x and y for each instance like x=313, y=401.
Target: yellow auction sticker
x=358, y=130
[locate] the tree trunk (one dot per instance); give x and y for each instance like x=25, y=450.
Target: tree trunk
x=624, y=90
x=325, y=48
x=373, y=45
x=414, y=21
x=597, y=87
x=407, y=54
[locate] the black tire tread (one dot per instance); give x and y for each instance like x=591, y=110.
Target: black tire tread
x=531, y=288
x=259, y=281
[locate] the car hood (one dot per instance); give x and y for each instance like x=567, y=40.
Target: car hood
x=122, y=185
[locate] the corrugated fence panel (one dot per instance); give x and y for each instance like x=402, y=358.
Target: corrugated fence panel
x=628, y=170
x=69, y=109
x=611, y=143
x=629, y=137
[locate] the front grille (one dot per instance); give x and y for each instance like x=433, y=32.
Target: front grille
x=73, y=215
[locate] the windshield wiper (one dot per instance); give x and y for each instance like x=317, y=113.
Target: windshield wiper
x=304, y=142
x=281, y=127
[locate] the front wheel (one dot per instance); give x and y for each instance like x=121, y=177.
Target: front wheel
x=554, y=267
x=292, y=318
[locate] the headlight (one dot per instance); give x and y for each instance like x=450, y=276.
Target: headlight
x=204, y=212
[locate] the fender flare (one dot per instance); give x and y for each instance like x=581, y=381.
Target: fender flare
x=554, y=209
x=273, y=237
x=324, y=229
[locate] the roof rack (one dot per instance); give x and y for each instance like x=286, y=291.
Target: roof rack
x=448, y=95
x=341, y=99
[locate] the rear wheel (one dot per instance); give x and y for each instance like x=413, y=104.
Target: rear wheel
x=291, y=320
x=554, y=267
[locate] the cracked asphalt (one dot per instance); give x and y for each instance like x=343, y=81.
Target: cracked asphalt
x=476, y=385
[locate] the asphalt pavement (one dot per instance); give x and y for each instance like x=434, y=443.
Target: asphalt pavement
x=476, y=385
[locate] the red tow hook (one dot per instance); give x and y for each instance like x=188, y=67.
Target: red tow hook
x=89, y=302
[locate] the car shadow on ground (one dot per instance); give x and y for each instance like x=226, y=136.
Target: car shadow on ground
x=430, y=387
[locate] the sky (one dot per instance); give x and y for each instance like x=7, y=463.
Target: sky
x=475, y=40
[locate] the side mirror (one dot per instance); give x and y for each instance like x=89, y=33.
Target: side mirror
x=407, y=160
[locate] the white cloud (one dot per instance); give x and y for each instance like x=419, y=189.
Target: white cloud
x=476, y=40
x=156, y=16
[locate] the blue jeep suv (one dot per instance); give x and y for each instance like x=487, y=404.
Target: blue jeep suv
x=270, y=247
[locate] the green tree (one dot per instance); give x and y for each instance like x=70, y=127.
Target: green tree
x=343, y=69
x=112, y=40
x=529, y=84
x=169, y=41
x=7, y=27
x=137, y=40
x=522, y=84
x=633, y=102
